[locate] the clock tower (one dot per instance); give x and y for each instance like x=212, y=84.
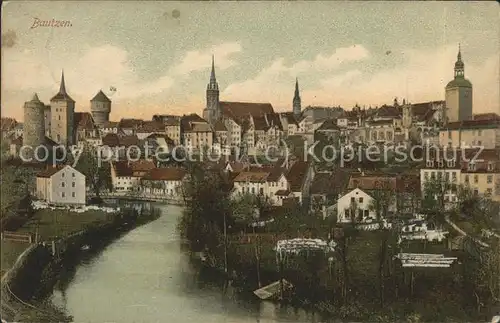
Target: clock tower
x=458, y=94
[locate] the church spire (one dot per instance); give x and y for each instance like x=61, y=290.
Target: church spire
x=62, y=88
x=212, y=74
x=459, y=64
x=62, y=94
x=296, y=99
x=212, y=85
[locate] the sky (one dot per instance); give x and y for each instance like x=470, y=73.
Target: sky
x=158, y=54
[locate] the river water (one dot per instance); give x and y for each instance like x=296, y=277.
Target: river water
x=145, y=277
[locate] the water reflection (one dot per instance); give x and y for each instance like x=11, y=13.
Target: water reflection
x=144, y=277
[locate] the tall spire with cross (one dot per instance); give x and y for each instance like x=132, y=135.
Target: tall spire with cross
x=459, y=64
x=211, y=112
x=296, y=99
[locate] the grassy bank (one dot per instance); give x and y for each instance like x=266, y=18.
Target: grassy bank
x=31, y=280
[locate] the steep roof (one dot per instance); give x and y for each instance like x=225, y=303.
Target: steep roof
x=83, y=120
x=111, y=140
x=486, y=116
x=62, y=95
x=240, y=110
x=151, y=126
x=122, y=168
x=472, y=124
x=165, y=174
x=328, y=125
x=334, y=182
x=297, y=174
x=100, y=97
x=48, y=172
x=130, y=123
x=220, y=126
x=257, y=176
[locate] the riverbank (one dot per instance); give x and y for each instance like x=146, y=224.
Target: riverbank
x=318, y=285
x=27, y=284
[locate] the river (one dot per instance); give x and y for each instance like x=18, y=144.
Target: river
x=144, y=277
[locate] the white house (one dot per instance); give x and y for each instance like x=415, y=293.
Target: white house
x=357, y=202
x=61, y=186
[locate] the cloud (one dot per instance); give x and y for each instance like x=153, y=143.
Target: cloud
x=200, y=60
x=103, y=67
x=340, y=56
x=275, y=83
x=421, y=78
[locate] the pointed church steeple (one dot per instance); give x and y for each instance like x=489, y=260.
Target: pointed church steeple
x=296, y=99
x=62, y=88
x=62, y=94
x=459, y=64
x=212, y=111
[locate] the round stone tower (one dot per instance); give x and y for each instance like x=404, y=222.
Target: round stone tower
x=34, y=127
x=100, y=106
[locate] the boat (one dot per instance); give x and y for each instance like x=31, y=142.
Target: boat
x=85, y=247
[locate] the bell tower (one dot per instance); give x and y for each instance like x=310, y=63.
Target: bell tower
x=211, y=113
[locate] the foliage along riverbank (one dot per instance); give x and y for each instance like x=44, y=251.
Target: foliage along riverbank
x=26, y=287
x=362, y=283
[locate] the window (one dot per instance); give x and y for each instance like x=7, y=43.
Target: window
x=62, y=175
x=360, y=200
x=367, y=213
x=72, y=174
x=472, y=166
x=489, y=179
x=73, y=184
x=261, y=191
x=426, y=176
x=466, y=178
x=63, y=184
x=479, y=142
x=63, y=194
x=476, y=178
x=451, y=163
x=73, y=194
x=447, y=176
x=490, y=166
x=489, y=192
x=353, y=200
x=479, y=132
x=476, y=191
x=454, y=176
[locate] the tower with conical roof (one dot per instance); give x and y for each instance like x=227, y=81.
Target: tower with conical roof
x=458, y=94
x=62, y=110
x=212, y=113
x=100, y=106
x=296, y=100
x=33, y=129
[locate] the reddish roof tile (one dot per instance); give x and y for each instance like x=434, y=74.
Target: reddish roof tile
x=165, y=174
x=297, y=175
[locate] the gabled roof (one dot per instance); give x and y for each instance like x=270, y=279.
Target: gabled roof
x=151, y=126
x=257, y=176
x=240, y=110
x=130, y=123
x=472, y=124
x=333, y=183
x=111, y=140
x=128, y=141
x=122, y=168
x=49, y=171
x=165, y=174
x=297, y=174
x=368, y=183
x=387, y=111
x=110, y=124
x=328, y=125
x=83, y=121
x=220, y=126
x=100, y=97
x=289, y=117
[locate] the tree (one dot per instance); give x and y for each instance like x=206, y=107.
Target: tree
x=97, y=173
x=383, y=198
x=433, y=203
